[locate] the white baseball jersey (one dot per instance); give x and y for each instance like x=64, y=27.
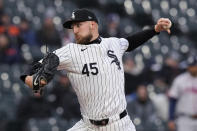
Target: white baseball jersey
x=97, y=76
x=184, y=89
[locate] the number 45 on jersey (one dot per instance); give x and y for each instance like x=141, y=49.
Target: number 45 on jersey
x=90, y=68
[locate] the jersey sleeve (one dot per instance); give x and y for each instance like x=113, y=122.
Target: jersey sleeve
x=174, y=90
x=64, y=57
x=124, y=44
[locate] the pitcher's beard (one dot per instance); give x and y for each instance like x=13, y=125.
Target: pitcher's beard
x=84, y=40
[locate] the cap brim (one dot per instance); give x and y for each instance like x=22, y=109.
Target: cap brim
x=68, y=23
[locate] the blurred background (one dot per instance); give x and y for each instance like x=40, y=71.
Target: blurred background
x=27, y=25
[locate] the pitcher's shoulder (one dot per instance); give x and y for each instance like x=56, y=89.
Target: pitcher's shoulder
x=109, y=38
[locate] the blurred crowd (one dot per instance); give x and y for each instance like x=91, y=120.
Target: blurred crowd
x=28, y=29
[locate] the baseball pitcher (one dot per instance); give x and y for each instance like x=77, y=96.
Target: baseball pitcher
x=95, y=70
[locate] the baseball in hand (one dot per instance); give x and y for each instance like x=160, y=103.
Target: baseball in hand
x=169, y=25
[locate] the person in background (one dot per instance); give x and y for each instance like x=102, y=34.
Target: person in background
x=183, y=99
x=49, y=35
x=65, y=97
x=27, y=34
x=170, y=69
x=113, y=25
x=142, y=109
x=9, y=53
x=12, y=31
x=1, y=9
x=131, y=73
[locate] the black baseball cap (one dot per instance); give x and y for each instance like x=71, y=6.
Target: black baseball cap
x=80, y=15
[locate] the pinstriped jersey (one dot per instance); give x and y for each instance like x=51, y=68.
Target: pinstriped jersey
x=97, y=76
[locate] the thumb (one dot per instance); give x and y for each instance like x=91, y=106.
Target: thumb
x=168, y=31
x=43, y=82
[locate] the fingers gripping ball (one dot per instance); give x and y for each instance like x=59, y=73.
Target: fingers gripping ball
x=46, y=72
x=169, y=24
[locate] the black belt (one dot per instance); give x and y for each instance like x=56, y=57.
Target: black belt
x=104, y=122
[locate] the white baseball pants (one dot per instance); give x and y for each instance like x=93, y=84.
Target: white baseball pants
x=186, y=124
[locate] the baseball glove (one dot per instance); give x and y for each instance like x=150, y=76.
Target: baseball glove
x=45, y=72
x=31, y=69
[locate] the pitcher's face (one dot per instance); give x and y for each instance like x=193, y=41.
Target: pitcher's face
x=82, y=31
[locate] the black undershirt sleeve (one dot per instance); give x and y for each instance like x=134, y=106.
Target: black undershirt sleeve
x=140, y=38
x=30, y=70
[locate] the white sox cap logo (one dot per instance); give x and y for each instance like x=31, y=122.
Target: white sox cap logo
x=89, y=17
x=73, y=15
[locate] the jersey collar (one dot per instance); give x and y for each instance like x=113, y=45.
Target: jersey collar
x=96, y=41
